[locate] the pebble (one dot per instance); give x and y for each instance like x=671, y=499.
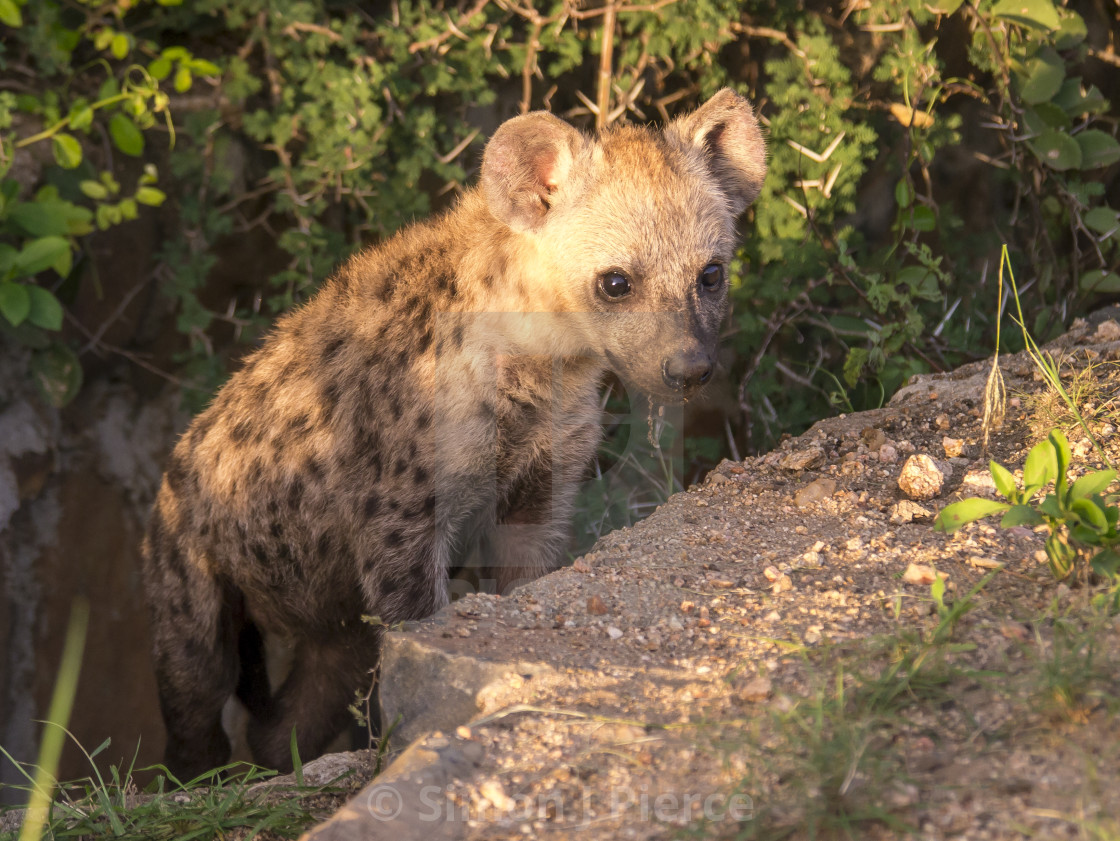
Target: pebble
x=805, y=459
x=922, y=477
x=906, y=511
x=615, y=633
x=888, y=454
x=757, y=689
x=816, y=491
x=873, y=438
x=921, y=574
x=954, y=447
x=942, y=422
x=596, y=606
x=1107, y=331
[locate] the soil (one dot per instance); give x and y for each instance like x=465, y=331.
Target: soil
x=765, y=655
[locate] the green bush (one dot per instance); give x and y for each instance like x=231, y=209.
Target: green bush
x=908, y=140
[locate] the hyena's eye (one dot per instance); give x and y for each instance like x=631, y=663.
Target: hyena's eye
x=711, y=277
x=615, y=285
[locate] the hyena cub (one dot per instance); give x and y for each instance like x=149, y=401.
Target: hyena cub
x=435, y=401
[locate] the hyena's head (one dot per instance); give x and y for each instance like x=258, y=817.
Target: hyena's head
x=630, y=235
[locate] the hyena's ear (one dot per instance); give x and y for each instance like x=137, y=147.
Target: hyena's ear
x=525, y=165
x=726, y=133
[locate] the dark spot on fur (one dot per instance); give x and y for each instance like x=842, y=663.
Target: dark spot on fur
x=372, y=504
x=331, y=349
x=176, y=474
x=295, y=493
x=389, y=585
x=260, y=552
x=457, y=337
x=424, y=341
x=201, y=428
x=399, y=467
x=325, y=546
x=423, y=421
x=300, y=424
x=420, y=475
x=395, y=408
x=394, y=538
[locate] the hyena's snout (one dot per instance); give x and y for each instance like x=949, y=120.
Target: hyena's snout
x=686, y=370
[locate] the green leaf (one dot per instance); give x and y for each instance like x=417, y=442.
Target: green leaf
x=1003, y=479
x=1061, y=456
x=15, y=303
x=67, y=150
x=1057, y=150
x=1039, y=14
x=43, y=253
x=150, y=196
x=1100, y=281
x=1106, y=563
x=160, y=68
x=1041, y=465
x=10, y=14
x=923, y=219
x=1072, y=31
x=80, y=116
x=1091, y=484
x=1097, y=148
x=119, y=45
x=38, y=219
x=1021, y=515
x=182, y=81
x=46, y=311
x=1104, y=220
x=1041, y=76
x=94, y=189
x=1077, y=102
x=952, y=517
x=128, y=209
x=204, y=68
x=1090, y=512
x=126, y=136
x=57, y=374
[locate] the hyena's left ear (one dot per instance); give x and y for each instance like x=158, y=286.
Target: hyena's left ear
x=525, y=167
x=725, y=131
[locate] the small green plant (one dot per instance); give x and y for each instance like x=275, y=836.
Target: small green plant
x=1079, y=517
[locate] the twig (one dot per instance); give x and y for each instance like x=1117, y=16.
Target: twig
x=606, y=56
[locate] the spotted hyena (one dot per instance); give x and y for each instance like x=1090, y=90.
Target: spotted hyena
x=435, y=400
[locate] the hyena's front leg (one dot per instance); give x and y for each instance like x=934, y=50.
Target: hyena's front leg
x=533, y=527
x=314, y=699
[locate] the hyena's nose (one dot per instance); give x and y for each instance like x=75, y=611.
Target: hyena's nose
x=687, y=370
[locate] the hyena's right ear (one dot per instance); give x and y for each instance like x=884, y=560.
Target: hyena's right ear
x=526, y=162
x=724, y=130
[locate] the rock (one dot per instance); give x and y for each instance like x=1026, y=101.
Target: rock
x=922, y=574
x=757, y=689
x=922, y=477
x=873, y=438
x=1107, y=331
x=906, y=511
x=806, y=459
x=407, y=800
x=816, y=491
x=614, y=633
x=954, y=447
x=888, y=454
x=717, y=479
x=942, y=422
x=596, y=606
x=432, y=686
